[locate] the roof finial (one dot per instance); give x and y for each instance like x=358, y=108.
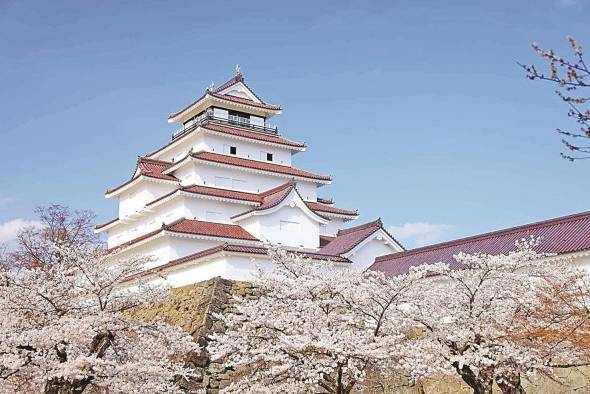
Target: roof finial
x=210, y=87
x=238, y=71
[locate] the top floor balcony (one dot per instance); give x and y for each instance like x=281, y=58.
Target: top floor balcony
x=231, y=120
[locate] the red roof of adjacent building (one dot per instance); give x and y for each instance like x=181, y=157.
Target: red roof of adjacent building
x=197, y=227
x=349, y=238
x=255, y=250
x=239, y=132
x=563, y=235
x=150, y=168
x=257, y=165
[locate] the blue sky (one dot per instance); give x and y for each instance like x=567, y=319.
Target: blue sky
x=416, y=108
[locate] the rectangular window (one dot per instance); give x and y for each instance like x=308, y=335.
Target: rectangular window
x=289, y=226
x=269, y=157
x=238, y=184
x=233, y=150
x=221, y=181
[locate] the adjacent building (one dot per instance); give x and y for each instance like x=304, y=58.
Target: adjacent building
x=224, y=188
x=564, y=238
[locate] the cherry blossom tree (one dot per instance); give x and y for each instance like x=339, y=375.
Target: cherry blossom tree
x=315, y=327
x=560, y=316
x=572, y=80
x=63, y=329
x=58, y=225
x=469, y=314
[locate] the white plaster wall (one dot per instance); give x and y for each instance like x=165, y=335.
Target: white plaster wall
x=166, y=213
x=249, y=182
x=365, y=255
x=181, y=247
x=158, y=249
x=247, y=150
x=332, y=227
x=288, y=226
x=212, y=210
x=135, y=198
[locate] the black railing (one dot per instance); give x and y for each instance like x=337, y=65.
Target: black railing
x=235, y=121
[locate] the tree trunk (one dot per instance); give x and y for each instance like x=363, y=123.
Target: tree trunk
x=511, y=384
x=63, y=386
x=480, y=383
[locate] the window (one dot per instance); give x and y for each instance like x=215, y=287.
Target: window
x=289, y=226
x=238, y=184
x=269, y=157
x=224, y=182
x=233, y=150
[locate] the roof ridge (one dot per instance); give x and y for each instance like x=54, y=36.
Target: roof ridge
x=277, y=189
x=349, y=230
x=489, y=234
x=238, y=77
x=143, y=158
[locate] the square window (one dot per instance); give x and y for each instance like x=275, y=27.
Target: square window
x=233, y=150
x=269, y=157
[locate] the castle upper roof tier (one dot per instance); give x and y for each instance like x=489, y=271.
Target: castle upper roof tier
x=234, y=95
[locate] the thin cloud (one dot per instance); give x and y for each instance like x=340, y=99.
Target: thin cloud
x=9, y=229
x=421, y=233
x=6, y=200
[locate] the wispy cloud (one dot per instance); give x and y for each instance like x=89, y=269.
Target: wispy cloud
x=6, y=200
x=421, y=233
x=9, y=229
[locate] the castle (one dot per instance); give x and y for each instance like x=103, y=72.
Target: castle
x=211, y=201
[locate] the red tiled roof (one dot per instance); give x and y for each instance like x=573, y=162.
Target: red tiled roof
x=154, y=168
x=567, y=234
x=325, y=239
x=256, y=250
x=265, y=199
x=317, y=206
x=150, y=168
x=271, y=198
x=99, y=226
x=348, y=238
x=257, y=165
x=197, y=227
x=236, y=79
x=251, y=135
x=328, y=201
x=245, y=101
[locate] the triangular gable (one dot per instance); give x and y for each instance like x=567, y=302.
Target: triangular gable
x=237, y=87
x=284, y=195
x=379, y=235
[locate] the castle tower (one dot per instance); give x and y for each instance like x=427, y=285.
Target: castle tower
x=207, y=203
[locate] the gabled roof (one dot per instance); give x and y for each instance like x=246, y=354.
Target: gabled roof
x=563, y=235
x=349, y=238
x=231, y=248
x=196, y=227
x=275, y=196
x=218, y=94
x=258, y=165
x=149, y=168
x=153, y=168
